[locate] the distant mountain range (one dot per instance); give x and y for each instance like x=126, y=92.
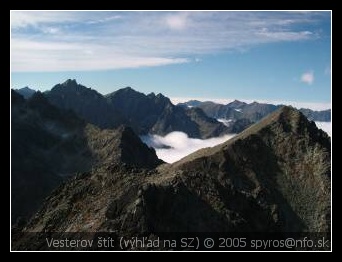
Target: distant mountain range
x=272, y=177
x=252, y=112
x=151, y=113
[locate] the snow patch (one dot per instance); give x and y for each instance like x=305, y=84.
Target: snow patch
x=226, y=122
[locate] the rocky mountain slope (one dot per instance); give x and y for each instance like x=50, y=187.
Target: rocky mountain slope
x=146, y=114
x=49, y=145
x=273, y=177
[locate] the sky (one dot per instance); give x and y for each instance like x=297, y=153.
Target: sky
x=282, y=57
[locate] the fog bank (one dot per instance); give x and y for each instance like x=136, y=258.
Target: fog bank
x=176, y=145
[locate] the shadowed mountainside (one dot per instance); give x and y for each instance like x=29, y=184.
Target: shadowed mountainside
x=49, y=145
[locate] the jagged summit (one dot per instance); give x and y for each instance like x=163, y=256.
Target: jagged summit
x=126, y=90
x=159, y=96
x=69, y=83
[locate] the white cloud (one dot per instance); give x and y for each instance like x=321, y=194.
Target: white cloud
x=307, y=78
x=127, y=39
x=325, y=126
x=20, y=19
x=106, y=19
x=30, y=56
x=180, y=145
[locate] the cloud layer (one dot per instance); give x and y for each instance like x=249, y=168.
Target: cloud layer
x=66, y=41
x=176, y=145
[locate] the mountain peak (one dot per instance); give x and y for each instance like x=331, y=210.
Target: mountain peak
x=160, y=95
x=286, y=117
x=26, y=92
x=70, y=82
x=69, y=85
x=127, y=89
x=122, y=146
x=236, y=104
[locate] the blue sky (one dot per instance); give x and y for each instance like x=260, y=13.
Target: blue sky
x=263, y=56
